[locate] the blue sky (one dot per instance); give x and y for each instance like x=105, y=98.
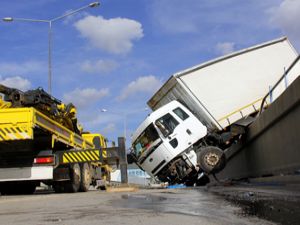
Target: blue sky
x=117, y=55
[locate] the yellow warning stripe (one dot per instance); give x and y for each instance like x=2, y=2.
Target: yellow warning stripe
x=67, y=159
x=81, y=156
x=72, y=157
x=13, y=133
x=88, y=153
x=76, y=156
x=86, y=156
x=93, y=153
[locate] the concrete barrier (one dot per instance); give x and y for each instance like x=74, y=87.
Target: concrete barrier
x=272, y=143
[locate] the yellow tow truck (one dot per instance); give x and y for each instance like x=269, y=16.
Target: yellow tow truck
x=37, y=145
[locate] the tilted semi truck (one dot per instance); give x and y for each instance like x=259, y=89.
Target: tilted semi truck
x=200, y=112
x=41, y=142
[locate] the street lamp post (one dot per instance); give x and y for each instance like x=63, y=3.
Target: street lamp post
x=11, y=19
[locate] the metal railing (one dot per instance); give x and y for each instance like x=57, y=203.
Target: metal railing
x=240, y=111
x=277, y=83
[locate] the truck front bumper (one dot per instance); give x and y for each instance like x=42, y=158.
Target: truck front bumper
x=26, y=173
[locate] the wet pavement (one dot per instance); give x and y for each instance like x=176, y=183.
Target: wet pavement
x=144, y=207
x=196, y=202
x=275, y=202
x=234, y=204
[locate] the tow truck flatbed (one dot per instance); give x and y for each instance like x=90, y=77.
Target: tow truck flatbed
x=25, y=123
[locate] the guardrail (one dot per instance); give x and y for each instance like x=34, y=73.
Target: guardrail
x=272, y=89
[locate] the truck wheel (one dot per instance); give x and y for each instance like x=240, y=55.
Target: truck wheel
x=86, y=177
x=211, y=159
x=73, y=185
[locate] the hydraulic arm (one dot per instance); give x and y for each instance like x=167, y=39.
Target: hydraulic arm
x=44, y=102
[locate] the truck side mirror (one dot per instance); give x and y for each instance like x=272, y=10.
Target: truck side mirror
x=162, y=128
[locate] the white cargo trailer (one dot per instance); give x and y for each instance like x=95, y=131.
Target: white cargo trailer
x=224, y=90
x=201, y=111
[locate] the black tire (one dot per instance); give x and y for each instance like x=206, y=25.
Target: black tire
x=73, y=185
x=211, y=159
x=86, y=177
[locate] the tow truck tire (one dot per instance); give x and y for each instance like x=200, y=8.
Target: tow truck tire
x=86, y=177
x=211, y=159
x=73, y=185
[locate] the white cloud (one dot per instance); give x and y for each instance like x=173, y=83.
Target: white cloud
x=99, y=66
x=16, y=82
x=9, y=68
x=224, y=48
x=112, y=35
x=85, y=97
x=146, y=84
x=286, y=17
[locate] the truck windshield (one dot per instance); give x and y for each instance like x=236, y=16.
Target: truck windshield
x=149, y=139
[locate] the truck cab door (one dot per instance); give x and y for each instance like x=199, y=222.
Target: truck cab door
x=181, y=129
x=175, y=137
x=189, y=125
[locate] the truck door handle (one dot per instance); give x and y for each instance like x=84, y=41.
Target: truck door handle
x=188, y=131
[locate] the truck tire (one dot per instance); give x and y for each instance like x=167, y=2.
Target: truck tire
x=211, y=159
x=86, y=177
x=73, y=185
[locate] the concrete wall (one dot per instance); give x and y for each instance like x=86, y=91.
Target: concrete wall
x=272, y=145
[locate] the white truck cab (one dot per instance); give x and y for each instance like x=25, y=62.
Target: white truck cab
x=165, y=139
x=221, y=98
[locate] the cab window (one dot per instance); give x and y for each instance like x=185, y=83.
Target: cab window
x=145, y=141
x=169, y=122
x=180, y=113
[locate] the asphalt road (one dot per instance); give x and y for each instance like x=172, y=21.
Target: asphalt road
x=180, y=206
